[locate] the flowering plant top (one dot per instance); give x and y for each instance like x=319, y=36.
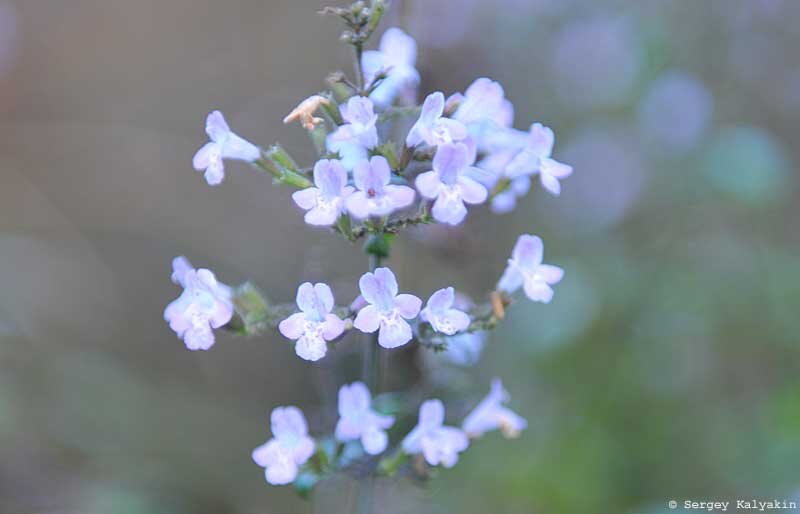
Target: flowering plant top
x=456, y=152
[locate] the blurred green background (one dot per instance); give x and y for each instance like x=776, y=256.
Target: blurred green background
x=667, y=367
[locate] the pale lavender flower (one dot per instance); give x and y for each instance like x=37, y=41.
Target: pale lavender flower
x=484, y=100
x=387, y=309
x=375, y=196
x=465, y=349
x=224, y=144
x=352, y=139
x=314, y=325
x=491, y=414
x=449, y=184
x=439, y=444
x=490, y=170
x=439, y=312
x=396, y=56
x=484, y=109
x=432, y=127
x=325, y=202
x=205, y=304
x=289, y=448
x=507, y=200
x=357, y=420
x=535, y=158
x=525, y=269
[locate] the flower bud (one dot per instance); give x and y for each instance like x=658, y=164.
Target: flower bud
x=277, y=162
x=357, y=7
x=377, y=9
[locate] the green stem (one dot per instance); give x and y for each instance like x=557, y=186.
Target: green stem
x=371, y=375
x=359, y=47
x=371, y=371
x=366, y=495
x=391, y=227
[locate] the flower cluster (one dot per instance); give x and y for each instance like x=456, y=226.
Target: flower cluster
x=206, y=304
x=456, y=152
x=291, y=447
x=203, y=305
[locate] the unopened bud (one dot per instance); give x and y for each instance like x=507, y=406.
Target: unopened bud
x=357, y=7
x=277, y=162
x=279, y=155
x=377, y=10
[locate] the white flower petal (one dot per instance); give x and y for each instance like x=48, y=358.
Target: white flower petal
x=310, y=348
x=428, y=184
x=205, y=155
x=551, y=274
x=394, y=333
x=216, y=127
x=306, y=198
x=348, y=429
x=431, y=413
x=374, y=441
x=407, y=305
x=511, y=280
x=401, y=196
x=471, y=191
x=528, y=250
x=551, y=184
x=215, y=172
x=293, y=326
x=538, y=291
x=368, y=319
x=236, y=147
x=449, y=208
x=281, y=472
x=288, y=423
x=334, y=326
x=358, y=205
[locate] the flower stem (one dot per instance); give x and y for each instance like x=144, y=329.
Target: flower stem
x=371, y=375
x=365, y=495
x=371, y=364
x=359, y=51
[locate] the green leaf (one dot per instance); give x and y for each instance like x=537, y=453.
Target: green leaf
x=344, y=226
x=390, y=464
x=387, y=150
x=252, y=308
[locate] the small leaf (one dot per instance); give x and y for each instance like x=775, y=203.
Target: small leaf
x=390, y=464
x=251, y=306
x=387, y=150
x=344, y=225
